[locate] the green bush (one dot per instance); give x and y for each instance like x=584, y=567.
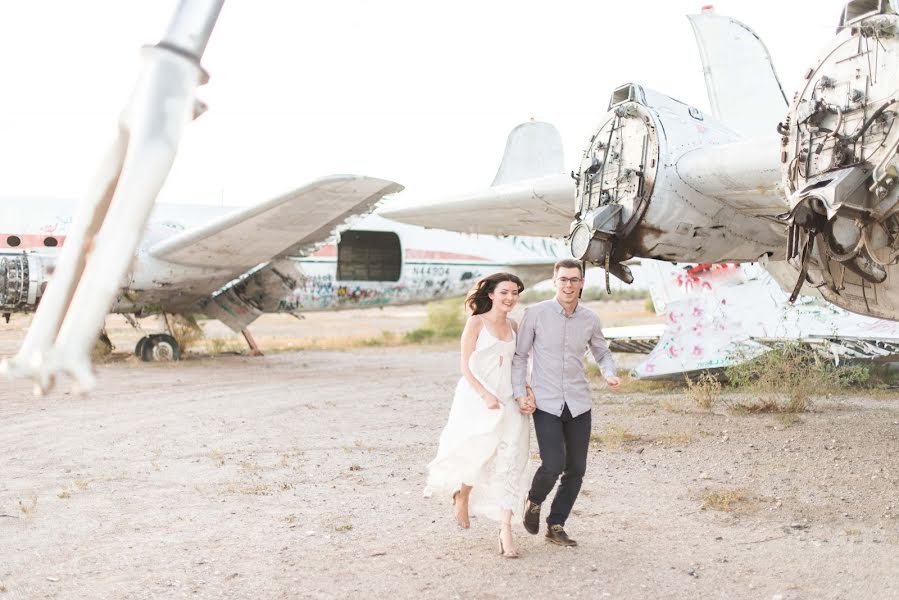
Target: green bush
x=417, y=336
x=785, y=378
x=446, y=318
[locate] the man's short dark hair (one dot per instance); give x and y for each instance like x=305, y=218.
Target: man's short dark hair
x=568, y=263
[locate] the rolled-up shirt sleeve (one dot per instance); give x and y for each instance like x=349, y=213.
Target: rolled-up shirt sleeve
x=523, y=345
x=600, y=349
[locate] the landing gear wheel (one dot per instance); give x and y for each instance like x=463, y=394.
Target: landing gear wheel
x=139, y=348
x=159, y=347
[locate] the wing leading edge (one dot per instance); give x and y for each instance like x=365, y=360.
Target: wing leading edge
x=291, y=224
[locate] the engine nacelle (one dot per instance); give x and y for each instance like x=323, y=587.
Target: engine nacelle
x=840, y=166
x=652, y=184
x=23, y=277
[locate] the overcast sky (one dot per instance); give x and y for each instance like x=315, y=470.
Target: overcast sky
x=420, y=92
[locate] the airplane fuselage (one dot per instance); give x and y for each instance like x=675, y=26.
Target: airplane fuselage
x=375, y=263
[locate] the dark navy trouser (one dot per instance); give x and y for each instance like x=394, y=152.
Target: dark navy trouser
x=564, y=442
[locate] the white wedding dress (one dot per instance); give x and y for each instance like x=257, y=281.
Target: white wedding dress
x=481, y=447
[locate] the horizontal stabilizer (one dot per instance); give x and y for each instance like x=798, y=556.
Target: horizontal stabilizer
x=539, y=207
x=744, y=91
x=292, y=224
x=529, y=196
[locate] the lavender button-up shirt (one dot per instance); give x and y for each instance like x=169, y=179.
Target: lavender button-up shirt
x=558, y=343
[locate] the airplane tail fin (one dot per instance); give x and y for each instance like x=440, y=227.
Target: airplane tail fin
x=533, y=149
x=744, y=90
x=530, y=195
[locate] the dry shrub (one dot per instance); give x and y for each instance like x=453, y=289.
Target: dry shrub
x=186, y=331
x=705, y=390
x=613, y=436
x=786, y=378
x=675, y=439
x=250, y=489
x=28, y=506
x=220, y=345
x=341, y=342
x=726, y=500
x=102, y=348
x=633, y=386
x=677, y=406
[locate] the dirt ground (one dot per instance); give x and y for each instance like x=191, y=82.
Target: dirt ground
x=300, y=475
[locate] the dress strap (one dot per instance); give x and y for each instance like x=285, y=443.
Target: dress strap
x=486, y=325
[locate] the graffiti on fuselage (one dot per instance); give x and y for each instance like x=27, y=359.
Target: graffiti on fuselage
x=319, y=289
x=59, y=226
x=545, y=247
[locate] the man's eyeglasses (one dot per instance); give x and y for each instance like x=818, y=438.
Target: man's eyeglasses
x=571, y=280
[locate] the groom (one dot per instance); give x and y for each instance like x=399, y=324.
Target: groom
x=557, y=333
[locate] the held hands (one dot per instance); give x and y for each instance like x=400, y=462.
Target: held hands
x=527, y=404
x=614, y=382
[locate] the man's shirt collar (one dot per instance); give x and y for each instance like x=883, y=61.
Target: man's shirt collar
x=561, y=309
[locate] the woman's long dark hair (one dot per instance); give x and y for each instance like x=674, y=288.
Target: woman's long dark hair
x=479, y=301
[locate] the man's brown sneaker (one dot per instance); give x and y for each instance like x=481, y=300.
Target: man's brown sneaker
x=557, y=535
x=531, y=518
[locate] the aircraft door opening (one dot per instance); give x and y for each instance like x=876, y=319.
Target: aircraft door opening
x=369, y=256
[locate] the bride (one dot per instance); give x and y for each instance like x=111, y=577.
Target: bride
x=483, y=449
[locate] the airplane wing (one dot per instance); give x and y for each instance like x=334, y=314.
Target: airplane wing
x=539, y=207
x=744, y=91
x=529, y=195
x=292, y=224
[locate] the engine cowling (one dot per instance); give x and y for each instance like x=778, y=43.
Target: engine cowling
x=840, y=167
x=23, y=277
x=652, y=184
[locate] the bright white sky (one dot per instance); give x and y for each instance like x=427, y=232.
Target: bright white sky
x=420, y=92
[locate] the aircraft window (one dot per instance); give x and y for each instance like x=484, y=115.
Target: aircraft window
x=50, y=242
x=13, y=241
x=369, y=256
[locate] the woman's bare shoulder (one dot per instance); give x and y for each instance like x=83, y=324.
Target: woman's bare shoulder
x=474, y=323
